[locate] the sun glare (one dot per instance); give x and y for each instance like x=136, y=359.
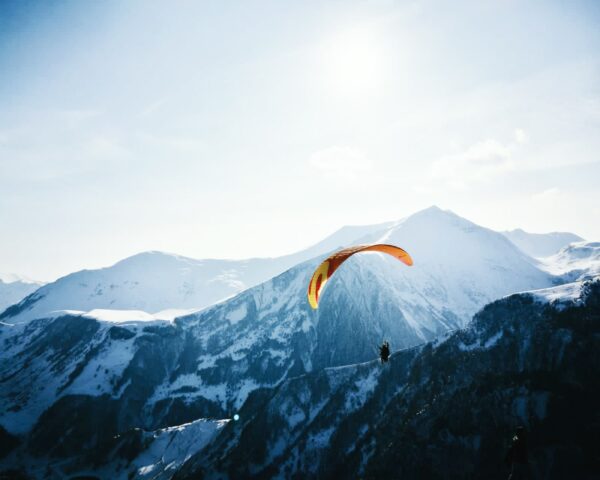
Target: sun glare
x=353, y=61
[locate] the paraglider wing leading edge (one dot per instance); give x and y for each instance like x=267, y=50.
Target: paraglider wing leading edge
x=327, y=268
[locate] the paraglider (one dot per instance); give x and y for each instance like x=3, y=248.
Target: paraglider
x=384, y=351
x=326, y=269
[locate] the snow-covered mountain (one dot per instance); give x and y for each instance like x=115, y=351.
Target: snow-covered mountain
x=576, y=261
x=459, y=264
x=14, y=288
x=440, y=409
x=167, y=284
x=446, y=409
x=134, y=370
x=541, y=244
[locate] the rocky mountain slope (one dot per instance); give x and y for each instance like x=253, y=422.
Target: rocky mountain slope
x=134, y=371
x=446, y=409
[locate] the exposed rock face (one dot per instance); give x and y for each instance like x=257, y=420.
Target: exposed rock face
x=8, y=442
x=443, y=410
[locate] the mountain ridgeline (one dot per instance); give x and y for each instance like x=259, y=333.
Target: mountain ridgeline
x=541, y=244
x=86, y=389
x=446, y=409
x=456, y=261
x=14, y=288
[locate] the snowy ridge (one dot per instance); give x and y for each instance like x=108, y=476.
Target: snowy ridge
x=126, y=316
x=13, y=278
x=149, y=282
x=154, y=282
x=539, y=245
x=568, y=292
x=163, y=452
x=576, y=261
x=14, y=288
x=459, y=266
x=171, y=447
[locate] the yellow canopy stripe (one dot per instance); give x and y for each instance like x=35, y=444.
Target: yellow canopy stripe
x=326, y=269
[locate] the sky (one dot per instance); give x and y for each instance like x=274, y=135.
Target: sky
x=254, y=128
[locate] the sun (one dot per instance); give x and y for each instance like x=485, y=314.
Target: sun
x=353, y=61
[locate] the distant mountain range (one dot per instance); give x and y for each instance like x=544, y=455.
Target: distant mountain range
x=14, y=288
x=171, y=285
x=97, y=368
x=577, y=261
x=168, y=284
x=540, y=245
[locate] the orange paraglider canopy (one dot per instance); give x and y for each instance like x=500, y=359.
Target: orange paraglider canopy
x=332, y=263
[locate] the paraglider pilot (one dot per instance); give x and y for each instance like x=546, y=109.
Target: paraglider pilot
x=384, y=351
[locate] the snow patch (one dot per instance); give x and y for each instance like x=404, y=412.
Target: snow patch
x=320, y=440
x=172, y=313
x=295, y=417
x=577, y=261
x=363, y=388
x=119, y=316
x=562, y=293
x=173, y=446
x=238, y=314
x=102, y=372
x=492, y=341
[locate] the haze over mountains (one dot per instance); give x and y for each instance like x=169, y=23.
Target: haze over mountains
x=81, y=356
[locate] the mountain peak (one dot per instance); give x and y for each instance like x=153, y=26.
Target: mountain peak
x=432, y=208
x=154, y=257
x=437, y=218
x=434, y=212
x=15, y=278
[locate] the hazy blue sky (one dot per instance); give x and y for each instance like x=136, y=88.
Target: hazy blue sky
x=236, y=129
